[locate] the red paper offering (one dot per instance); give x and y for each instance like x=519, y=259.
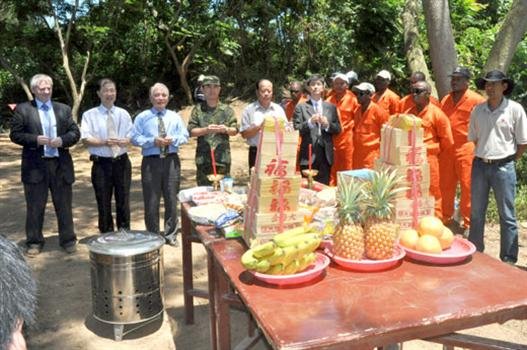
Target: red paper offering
x=213, y=160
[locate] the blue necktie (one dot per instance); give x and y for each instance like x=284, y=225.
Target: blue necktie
x=49, y=132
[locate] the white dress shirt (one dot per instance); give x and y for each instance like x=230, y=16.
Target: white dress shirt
x=94, y=125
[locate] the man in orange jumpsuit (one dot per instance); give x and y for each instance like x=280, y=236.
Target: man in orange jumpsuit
x=346, y=102
x=297, y=96
x=385, y=97
x=437, y=136
x=407, y=102
x=456, y=163
x=369, y=118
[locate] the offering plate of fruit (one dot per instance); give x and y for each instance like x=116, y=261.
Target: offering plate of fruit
x=311, y=272
x=365, y=264
x=434, y=243
x=457, y=252
x=289, y=258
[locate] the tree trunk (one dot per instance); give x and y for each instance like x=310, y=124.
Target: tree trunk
x=414, y=52
x=76, y=94
x=510, y=35
x=441, y=40
x=18, y=78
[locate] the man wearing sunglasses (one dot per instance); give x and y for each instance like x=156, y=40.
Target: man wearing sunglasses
x=296, y=89
x=407, y=102
x=456, y=163
x=368, y=120
x=437, y=136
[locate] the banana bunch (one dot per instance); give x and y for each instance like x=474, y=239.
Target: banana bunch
x=288, y=252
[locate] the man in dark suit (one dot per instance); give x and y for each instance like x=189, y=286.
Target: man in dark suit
x=317, y=120
x=46, y=129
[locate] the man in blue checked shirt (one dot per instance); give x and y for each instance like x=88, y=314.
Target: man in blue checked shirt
x=160, y=132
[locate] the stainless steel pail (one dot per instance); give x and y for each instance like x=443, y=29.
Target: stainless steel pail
x=127, y=276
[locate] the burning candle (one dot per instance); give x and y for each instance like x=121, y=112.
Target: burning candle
x=213, y=160
x=310, y=153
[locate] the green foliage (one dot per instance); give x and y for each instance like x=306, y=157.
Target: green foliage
x=240, y=41
x=520, y=205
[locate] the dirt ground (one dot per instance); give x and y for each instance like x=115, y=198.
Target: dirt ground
x=64, y=318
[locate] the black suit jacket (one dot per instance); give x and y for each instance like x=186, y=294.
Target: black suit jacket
x=303, y=113
x=25, y=128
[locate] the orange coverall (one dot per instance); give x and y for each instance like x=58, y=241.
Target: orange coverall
x=289, y=109
x=343, y=141
x=389, y=100
x=407, y=102
x=367, y=135
x=290, y=105
x=456, y=163
x=438, y=138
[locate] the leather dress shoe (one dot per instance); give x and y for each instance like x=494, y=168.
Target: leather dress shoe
x=33, y=250
x=71, y=248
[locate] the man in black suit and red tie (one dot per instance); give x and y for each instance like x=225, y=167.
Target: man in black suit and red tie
x=316, y=120
x=46, y=130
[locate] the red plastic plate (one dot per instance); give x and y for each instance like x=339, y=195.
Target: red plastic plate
x=308, y=274
x=458, y=251
x=367, y=265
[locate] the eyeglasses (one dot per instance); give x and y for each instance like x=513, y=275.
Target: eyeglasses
x=417, y=91
x=294, y=91
x=362, y=93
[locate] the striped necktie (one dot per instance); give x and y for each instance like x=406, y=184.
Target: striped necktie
x=162, y=133
x=112, y=132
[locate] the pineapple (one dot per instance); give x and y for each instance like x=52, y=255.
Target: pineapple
x=348, y=239
x=381, y=232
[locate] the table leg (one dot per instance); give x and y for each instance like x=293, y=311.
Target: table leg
x=186, y=249
x=212, y=303
x=221, y=288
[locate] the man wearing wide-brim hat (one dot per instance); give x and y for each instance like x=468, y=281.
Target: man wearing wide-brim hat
x=498, y=128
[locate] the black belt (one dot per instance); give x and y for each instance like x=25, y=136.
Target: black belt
x=497, y=161
x=95, y=158
x=158, y=156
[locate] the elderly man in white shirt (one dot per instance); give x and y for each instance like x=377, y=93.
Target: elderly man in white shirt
x=106, y=130
x=254, y=114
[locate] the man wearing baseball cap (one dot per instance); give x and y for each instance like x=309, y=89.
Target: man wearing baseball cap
x=212, y=122
x=369, y=118
x=456, y=162
x=437, y=137
x=385, y=97
x=498, y=129
x=346, y=102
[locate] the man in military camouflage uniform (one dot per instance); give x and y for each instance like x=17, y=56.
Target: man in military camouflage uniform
x=212, y=122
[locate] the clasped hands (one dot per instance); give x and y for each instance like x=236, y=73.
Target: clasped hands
x=113, y=141
x=217, y=129
x=319, y=119
x=163, y=141
x=48, y=141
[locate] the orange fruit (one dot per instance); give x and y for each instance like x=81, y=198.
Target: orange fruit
x=446, y=238
x=428, y=244
x=408, y=238
x=430, y=225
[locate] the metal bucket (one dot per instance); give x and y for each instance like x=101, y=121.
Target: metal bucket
x=127, y=278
